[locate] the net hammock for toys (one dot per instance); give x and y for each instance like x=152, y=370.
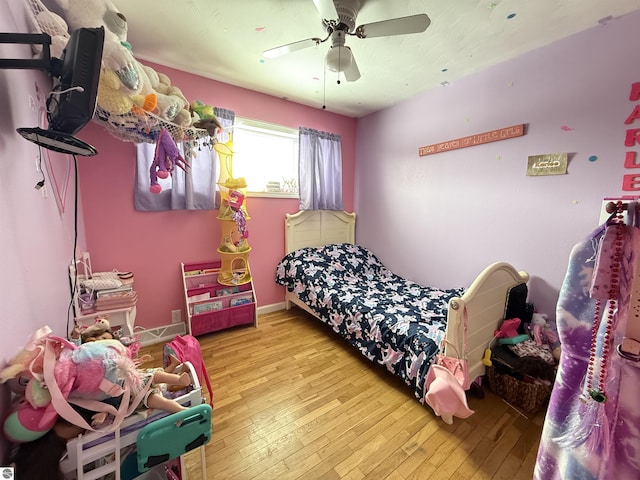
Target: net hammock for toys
x=143, y=127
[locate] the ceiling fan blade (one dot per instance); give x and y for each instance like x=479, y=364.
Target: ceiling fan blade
x=327, y=9
x=291, y=47
x=352, y=73
x=395, y=26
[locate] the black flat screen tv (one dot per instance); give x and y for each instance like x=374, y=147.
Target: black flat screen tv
x=72, y=102
x=75, y=81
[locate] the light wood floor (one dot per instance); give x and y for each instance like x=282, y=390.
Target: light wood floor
x=295, y=401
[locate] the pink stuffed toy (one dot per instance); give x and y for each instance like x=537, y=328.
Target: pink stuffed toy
x=85, y=375
x=545, y=333
x=166, y=158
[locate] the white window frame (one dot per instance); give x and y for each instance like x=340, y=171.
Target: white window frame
x=249, y=125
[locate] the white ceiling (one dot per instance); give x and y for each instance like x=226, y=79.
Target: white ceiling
x=224, y=40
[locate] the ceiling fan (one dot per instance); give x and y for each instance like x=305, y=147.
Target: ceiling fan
x=339, y=20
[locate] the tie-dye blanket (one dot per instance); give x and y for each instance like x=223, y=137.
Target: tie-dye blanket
x=584, y=439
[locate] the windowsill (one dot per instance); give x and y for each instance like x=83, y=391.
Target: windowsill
x=273, y=195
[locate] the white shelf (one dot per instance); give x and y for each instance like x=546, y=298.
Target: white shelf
x=118, y=317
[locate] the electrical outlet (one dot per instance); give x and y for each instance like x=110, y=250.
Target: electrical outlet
x=176, y=316
x=44, y=191
x=32, y=104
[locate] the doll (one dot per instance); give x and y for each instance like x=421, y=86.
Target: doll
x=171, y=376
x=36, y=452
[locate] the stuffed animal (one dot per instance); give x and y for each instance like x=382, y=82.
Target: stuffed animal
x=166, y=158
x=204, y=117
x=56, y=371
x=117, y=57
x=170, y=95
x=116, y=54
x=112, y=97
x=53, y=25
x=544, y=333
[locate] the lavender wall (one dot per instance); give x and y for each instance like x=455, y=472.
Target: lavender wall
x=36, y=240
x=440, y=219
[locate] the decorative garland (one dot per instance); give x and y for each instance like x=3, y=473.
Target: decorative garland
x=609, y=280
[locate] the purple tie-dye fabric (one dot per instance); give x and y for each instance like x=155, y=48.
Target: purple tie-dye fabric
x=588, y=440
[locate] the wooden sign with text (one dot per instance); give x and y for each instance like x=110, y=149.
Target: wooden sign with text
x=471, y=140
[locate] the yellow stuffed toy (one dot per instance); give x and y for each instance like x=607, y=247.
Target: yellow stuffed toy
x=112, y=99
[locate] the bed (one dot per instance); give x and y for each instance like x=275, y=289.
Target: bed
x=390, y=320
x=95, y=454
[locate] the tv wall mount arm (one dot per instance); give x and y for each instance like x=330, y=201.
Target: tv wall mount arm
x=52, y=140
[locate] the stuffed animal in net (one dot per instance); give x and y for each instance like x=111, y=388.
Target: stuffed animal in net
x=116, y=54
x=53, y=25
x=137, y=81
x=166, y=158
x=112, y=98
x=205, y=118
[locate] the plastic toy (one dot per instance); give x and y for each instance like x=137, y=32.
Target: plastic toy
x=508, y=332
x=508, y=328
x=486, y=360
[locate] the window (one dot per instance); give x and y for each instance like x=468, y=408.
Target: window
x=190, y=190
x=266, y=155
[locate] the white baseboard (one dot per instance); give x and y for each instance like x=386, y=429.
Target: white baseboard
x=166, y=333
x=274, y=307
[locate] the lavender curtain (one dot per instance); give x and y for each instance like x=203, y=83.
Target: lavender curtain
x=193, y=190
x=320, y=170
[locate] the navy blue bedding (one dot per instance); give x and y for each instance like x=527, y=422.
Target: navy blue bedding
x=392, y=321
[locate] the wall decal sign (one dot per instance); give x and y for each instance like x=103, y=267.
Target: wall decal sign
x=471, y=140
x=631, y=182
x=548, y=164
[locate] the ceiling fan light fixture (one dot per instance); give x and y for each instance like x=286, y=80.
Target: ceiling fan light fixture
x=339, y=58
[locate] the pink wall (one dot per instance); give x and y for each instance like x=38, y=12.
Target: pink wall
x=152, y=245
x=446, y=216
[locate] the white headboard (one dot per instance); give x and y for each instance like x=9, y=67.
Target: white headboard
x=314, y=228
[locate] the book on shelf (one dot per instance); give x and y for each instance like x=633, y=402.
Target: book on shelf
x=200, y=297
x=226, y=291
x=241, y=300
x=192, y=272
x=124, y=289
x=204, y=271
x=207, y=307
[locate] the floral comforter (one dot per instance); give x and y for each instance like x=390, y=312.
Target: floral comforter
x=392, y=321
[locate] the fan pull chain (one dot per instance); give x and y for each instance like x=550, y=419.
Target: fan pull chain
x=324, y=86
